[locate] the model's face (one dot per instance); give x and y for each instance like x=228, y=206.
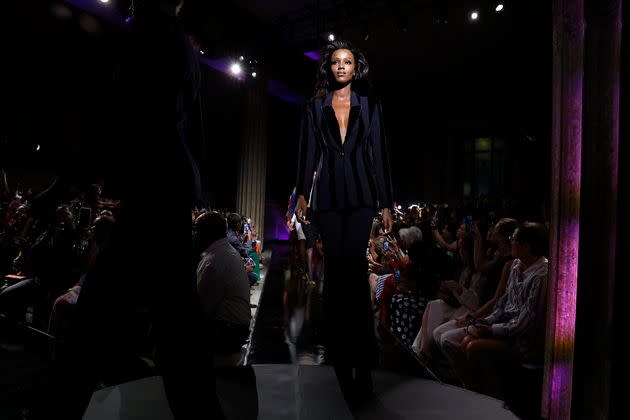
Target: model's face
x=342, y=66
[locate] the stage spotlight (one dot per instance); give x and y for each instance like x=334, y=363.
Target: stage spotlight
x=104, y=1
x=499, y=7
x=331, y=37
x=236, y=69
x=201, y=52
x=474, y=15
x=253, y=74
x=37, y=148
x=241, y=58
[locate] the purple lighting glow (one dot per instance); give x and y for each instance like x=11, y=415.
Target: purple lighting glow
x=313, y=55
x=99, y=9
x=282, y=91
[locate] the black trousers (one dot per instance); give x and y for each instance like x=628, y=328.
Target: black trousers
x=349, y=326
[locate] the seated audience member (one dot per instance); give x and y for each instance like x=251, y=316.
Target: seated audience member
x=491, y=262
x=514, y=331
x=447, y=238
x=241, y=243
x=456, y=298
x=234, y=235
x=49, y=270
x=378, y=268
x=223, y=287
x=389, y=256
x=412, y=293
x=495, y=264
x=64, y=305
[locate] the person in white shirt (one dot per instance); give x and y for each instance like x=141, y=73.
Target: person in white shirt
x=223, y=288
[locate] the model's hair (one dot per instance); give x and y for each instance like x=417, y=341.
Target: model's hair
x=325, y=79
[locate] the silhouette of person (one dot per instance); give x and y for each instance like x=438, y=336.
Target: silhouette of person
x=149, y=258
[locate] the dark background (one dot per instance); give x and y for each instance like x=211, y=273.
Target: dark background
x=444, y=82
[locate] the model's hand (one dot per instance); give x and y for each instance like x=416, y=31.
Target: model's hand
x=388, y=221
x=300, y=209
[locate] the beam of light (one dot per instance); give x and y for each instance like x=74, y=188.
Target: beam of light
x=313, y=55
x=99, y=9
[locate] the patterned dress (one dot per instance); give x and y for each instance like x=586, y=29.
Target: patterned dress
x=406, y=316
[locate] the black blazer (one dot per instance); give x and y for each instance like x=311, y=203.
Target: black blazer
x=355, y=174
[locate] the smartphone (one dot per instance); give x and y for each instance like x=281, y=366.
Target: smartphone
x=386, y=245
x=468, y=220
x=367, y=252
x=471, y=319
x=246, y=227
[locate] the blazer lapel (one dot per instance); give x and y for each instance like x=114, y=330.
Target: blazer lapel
x=330, y=121
x=355, y=112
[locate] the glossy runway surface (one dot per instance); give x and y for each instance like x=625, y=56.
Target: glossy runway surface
x=282, y=392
